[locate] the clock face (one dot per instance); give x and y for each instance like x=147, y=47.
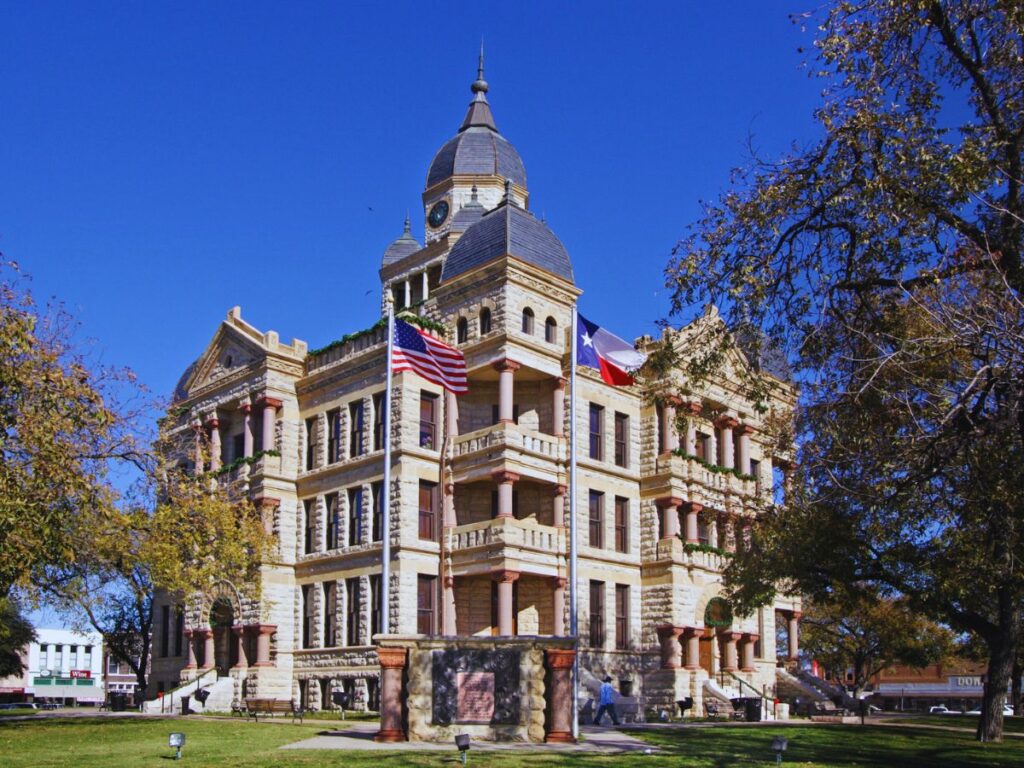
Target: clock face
x=438, y=214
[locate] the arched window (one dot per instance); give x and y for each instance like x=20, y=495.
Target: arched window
x=485, y=321
x=462, y=330
x=550, y=331
x=528, y=321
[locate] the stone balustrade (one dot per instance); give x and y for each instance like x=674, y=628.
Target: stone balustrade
x=509, y=436
x=509, y=532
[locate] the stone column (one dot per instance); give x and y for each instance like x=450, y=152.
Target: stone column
x=794, y=635
x=671, y=650
x=746, y=534
x=713, y=529
x=749, y=641
x=693, y=636
x=209, y=652
x=669, y=506
x=263, y=644
x=730, y=532
x=558, y=408
x=558, y=506
x=692, y=529
x=213, y=424
x=246, y=410
x=197, y=427
x=694, y=409
x=408, y=294
x=560, y=663
x=725, y=426
x=745, y=431
x=191, y=650
x=426, y=286
x=268, y=506
x=670, y=437
x=505, y=581
x=729, y=660
x=506, y=370
x=505, y=480
x=242, y=662
x=558, y=606
x=451, y=407
x=392, y=665
x=271, y=406
x=448, y=597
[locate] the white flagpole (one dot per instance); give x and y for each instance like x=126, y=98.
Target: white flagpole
x=385, y=534
x=573, y=620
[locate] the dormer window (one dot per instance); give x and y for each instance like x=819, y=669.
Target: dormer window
x=551, y=331
x=462, y=330
x=485, y=321
x=528, y=321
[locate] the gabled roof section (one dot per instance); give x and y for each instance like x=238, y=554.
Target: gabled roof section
x=236, y=345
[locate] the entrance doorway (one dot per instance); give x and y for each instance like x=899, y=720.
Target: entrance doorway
x=225, y=652
x=707, y=651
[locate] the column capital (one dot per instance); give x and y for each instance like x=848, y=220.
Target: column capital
x=560, y=658
x=559, y=582
x=265, y=629
x=747, y=429
x=238, y=629
x=559, y=490
x=726, y=422
x=502, y=476
x=732, y=636
x=212, y=421
x=668, y=630
x=245, y=405
x=505, y=577
x=751, y=637
x=694, y=407
x=560, y=382
x=786, y=465
x=263, y=401
x=503, y=365
x=204, y=632
x=267, y=502
x=694, y=631
x=673, y=401
x=188, y=633
x=668, y=501
x=449, y=581
x=392, y=658
x=796, y=615
x=694, y=506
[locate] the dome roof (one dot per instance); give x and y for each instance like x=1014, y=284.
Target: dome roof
x=478, y=148
x=508, y=229
x=404, y=246
x=469, y=214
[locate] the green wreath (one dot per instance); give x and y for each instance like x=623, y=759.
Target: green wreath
x=718, y=613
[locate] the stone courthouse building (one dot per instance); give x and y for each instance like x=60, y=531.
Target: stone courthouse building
x=479, y=498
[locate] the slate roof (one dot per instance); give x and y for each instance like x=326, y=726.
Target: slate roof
x=469, y=214
x=402, y=247
x=477, y=150
x=511, y=230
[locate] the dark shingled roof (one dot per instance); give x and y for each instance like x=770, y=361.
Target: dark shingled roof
x=404, y=246
x=477, y=150
x=511, y=230
x=469, y=214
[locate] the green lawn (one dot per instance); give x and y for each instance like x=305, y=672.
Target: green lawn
x=95, y=742
x=1010, y=724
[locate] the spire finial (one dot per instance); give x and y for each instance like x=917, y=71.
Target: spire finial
x=480, y=86
x=408, y=225
x=473, y=196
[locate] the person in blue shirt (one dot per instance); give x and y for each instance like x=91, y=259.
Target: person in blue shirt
x=606, y=702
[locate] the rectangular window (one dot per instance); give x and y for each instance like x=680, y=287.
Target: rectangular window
x=311, y=445
x=621, y=440
x=330, y=614
x=426, y=599
x=622, y=617
x=703, y=447
x=597, y=614
x=112, y=666
x=378, y=421
x=87, y=656
x=310, y=539
x=596, y=508
x=596, y=432
x=333, y=521
x=428, y=510
x=179, y=629
x=378, y=511
x=621, y=524
x=353, y=612
x=375, y=628
x=428, y=420
x=755, y=470
x=355, y=516
x=237, y=446
x=307, y=616
x=165, y=630
x=355, y=429
x=334, y=435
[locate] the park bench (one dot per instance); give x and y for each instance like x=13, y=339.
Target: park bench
x=256, y=707
x=711, y=709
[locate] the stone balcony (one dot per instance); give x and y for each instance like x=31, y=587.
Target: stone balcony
x=674, y=550
x=506, y=543
x=690, y=479
x=509, y=447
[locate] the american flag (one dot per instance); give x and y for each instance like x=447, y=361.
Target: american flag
x=418, y=351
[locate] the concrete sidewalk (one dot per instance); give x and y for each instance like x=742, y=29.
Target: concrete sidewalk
x=595, y=740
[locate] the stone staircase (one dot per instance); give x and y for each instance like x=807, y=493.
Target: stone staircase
x=724, y=694
x=831, y=692
x=222, y=695
x=170, y=702
x=790, y=687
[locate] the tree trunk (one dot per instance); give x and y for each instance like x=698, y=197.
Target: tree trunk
x=1002, y=650
x=1018, y=670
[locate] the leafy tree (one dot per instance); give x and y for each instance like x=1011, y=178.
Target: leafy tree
x=867, y=634
x=15, y=635
x=886, y=258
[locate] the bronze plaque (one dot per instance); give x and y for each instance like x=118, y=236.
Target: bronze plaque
x=476, y=697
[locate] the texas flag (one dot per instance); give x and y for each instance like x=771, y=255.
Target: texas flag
x=605, y=352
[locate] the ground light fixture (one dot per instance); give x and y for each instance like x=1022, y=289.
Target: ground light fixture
x=462, y=742
x=177, y=741
x=779, y=744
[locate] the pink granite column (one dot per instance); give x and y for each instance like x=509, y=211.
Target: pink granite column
x=558, y=408
x=506, y=369
x=191, y=650
x=745, y=431
x=213, y=424
x=392, y=666
x=726, y=446
x=560, y=663
x=505, y=480
x=794, y=635
x=246, y=409
x=749, y=641
x=671, y=650
x=505, y=581
x=243, y=662
x=694, y=409
x=558, y=506
x=670, y=435
x=263, y=644
x=200, y=459
x=209, y=652
x=271, y=406
x=693, y=509
x=669, y=506
x=558, y=606
x=693, y=636
x=729, y=655
x=450, y=627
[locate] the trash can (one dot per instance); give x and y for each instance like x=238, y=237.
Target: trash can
x=184, y=705
x=752, y=710
x=118, y=702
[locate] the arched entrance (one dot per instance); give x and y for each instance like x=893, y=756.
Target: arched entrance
x=225, y=652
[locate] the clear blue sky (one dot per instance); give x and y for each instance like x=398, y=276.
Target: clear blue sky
x=162, y=162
